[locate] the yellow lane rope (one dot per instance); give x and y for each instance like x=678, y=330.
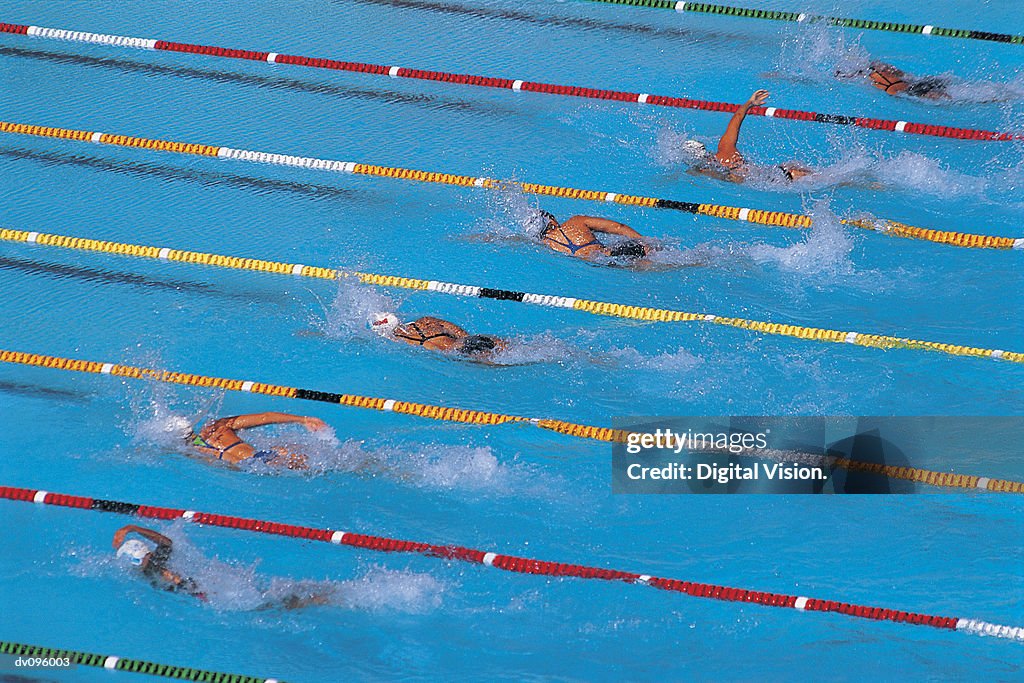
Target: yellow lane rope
x=476, y=417
x=771, y=218
x=879, y=341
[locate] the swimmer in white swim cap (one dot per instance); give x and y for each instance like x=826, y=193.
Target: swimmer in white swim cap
x=153, y=554
x=732, y=165
x=696, y=149
x=135, y=551
x=384, y=323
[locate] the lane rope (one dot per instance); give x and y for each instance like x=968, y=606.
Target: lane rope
x=604, y=308
x=113, y=663
x=799, y=17
x=465, y=416
x=757, y=216
x=516, y=85
x=512, y=563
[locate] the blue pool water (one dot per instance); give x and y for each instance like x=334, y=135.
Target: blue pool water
x=508, y=489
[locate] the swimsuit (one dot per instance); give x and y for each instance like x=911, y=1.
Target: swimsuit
x=423, y=339
x=926, y=87
x=477, y=344
x=568, y=243
x=264, y=456
x=156, y=567
x=200, y=442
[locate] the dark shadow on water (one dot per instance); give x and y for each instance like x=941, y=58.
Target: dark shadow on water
x=40, y=391
x=562, y=21
x=60, y=271
x=192, y=175
x=267, y=82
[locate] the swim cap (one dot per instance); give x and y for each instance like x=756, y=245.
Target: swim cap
x=548, y=218
x=696, y=149
x=628, y=250
x=135, y=550
x=384, y=323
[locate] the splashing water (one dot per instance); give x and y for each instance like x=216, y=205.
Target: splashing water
x=825, y=249
x=542, y=348
x=820, y=54
x=907, y=171
x=349, y=313
x=450, y=467
x=513, y=216
x=672, y=150
x=381, y=589
x=817, y=53
x=231, y=586
x=679, y=361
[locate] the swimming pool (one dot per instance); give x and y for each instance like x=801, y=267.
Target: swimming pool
x=510, y=489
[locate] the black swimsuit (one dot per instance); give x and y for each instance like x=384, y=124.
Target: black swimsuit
x=424, y=338
x=155, y=569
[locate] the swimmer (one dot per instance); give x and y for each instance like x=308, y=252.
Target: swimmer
x=727, y=163
x=151, y=557
x=219, y=439
x=437, y=335
x=575, y=237
x=152, y=553
x=893, y=81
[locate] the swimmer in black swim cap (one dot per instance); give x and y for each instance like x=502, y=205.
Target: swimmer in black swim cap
x=575, y=237
x=436, y=334
x=893, y=81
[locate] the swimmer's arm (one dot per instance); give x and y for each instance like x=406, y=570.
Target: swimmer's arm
x=609, y=227
x=727, y=151
x=269, y=418
x=154, y=536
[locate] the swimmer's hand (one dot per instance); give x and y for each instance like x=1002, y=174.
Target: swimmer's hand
x=758, y=98
x=313, y=424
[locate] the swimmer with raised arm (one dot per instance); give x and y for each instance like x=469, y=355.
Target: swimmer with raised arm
x=437, y=335
x=219, y=439
x=575, y=237
x=727, y=163
x=151, y=554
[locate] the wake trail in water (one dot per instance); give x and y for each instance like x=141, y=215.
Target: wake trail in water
x=237, y=587
x=429, y=466
x=824, y=250
x=822, y=55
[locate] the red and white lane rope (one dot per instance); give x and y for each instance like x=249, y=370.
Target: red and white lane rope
x=513, y=563
x=506, y=83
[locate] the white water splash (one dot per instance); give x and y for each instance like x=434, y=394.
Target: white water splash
x=824, y=249
x=680, y=361
x=542, y=348
x=233, y=586
x=349, y=313
x=824, y=55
